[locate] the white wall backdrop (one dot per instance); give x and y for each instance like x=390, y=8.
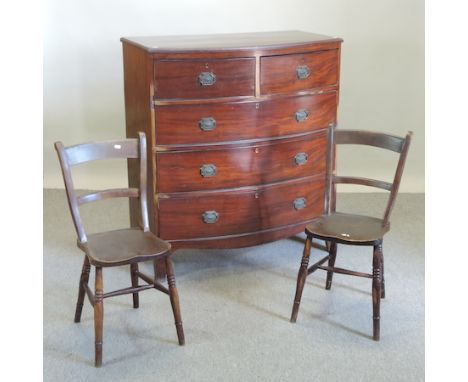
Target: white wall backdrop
x=382, y=70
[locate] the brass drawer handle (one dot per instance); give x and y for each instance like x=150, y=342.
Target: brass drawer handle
x=301, y=115
x=206, y=79
x=207, y=124
x=300, y=203
x=208, y=170
x=210, y=217
x=302, y=72
x=301, y=158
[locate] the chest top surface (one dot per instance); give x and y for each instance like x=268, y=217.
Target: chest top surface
x=232, y=41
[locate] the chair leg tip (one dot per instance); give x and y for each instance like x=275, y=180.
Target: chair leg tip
x=376, y=336
x=136, y=301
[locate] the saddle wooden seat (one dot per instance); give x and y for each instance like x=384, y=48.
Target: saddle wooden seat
x=348, y=227
x=123, y=246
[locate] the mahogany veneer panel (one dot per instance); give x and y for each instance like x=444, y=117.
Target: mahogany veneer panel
x=180, y=79
x=240, y=211
x=244, y=120
x=278, y=74
x=237, y=167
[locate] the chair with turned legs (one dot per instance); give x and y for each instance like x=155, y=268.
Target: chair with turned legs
x=119, y=247
x=349, y=229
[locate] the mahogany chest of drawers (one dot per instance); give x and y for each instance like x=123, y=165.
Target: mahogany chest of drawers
x=236, y=128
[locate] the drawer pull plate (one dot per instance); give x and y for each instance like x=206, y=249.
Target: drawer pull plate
x=206, y=79
x=210, y=217
x=301, y=158
x=302, y=115
x=208, y=170
x=207, y=124
x=302, y=72
x=300, y=203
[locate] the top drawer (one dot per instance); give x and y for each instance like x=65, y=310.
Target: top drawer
x=204, y=79
x=295, y=72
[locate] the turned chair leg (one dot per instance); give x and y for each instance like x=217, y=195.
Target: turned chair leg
x=134, y=276
x=383, y=273
x=376, y=288
x=98, y=317
x=159, y=267
x=301, y=277
x=331, y=263
x=81, y=290
x=174, y=296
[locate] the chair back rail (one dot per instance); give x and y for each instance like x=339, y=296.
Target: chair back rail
x=362, y=181
x=105, y=194
x=92, y=151
x=369, y=138
x=86, y=152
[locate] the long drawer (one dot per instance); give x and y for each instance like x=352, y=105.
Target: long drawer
x=219, y=122
x=295, y=72
x=210, y=214
x=234, y=166
x=187, y=79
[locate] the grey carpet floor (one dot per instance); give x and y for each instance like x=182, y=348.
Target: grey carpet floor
x=236, y=306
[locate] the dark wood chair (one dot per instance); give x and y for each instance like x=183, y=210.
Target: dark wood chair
x=120, y=247
x=335, y=227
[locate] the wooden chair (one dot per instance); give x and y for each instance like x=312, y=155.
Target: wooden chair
x=120, y=247
x=335, y=227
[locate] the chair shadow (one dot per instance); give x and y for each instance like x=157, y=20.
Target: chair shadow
x=312, y=315
x=344, y=286
x=341, y=326
x=129, y=355
x=73, y=357
x=88, y=359
x=317, y=285
x=263, y=310
x=147, y=335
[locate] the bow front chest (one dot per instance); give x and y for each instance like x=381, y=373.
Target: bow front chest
x=237, y=133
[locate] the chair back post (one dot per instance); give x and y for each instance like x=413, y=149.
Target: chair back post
x=70, y=190
x=397, y=178
x=329, y=170
x=143, y=181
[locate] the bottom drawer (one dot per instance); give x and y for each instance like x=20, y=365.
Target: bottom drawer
x=214, y=213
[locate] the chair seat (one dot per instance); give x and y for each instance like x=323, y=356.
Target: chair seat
x=124, y=246
x=348, y=228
